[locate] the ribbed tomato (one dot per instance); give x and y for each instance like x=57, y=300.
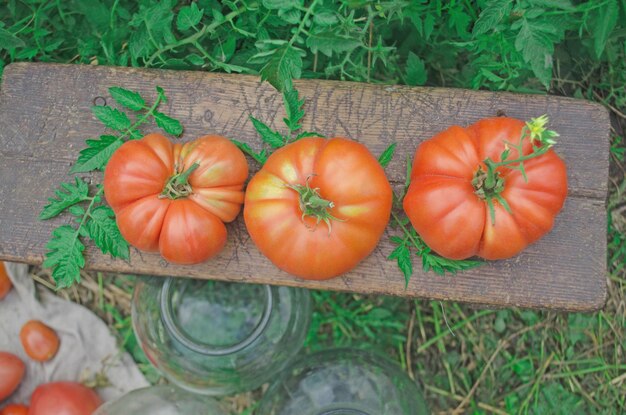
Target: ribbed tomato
x=450, y=212
x=318, y=207
x=175, y=198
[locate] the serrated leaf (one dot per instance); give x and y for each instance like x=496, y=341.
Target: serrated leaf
x=441, y=265
x=65, y=256
x=9, y=41
x=261, y=157
x=67, y=195
x=536, y=42
x=111, y=117
x=325, y=17
x=291, y=16
x=402, y=255
x=271, y=137
x=168, y=124
x=387, y=155
x=127, y=98
x=293, y=109
x=77, y=210
x=415, y=70
x=304, y=134
x=605, y=23
x=104, y=232
x=188, y=16
x=491, y=15
x=284, y=65
x=195, y=59
x=97, y=154
x=329, y=42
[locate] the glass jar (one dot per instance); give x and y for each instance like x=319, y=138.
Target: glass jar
x=219, y=338
x=161, y=400
x=343, y=382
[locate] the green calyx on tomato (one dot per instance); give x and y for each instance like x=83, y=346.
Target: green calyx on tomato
x=312, y=204
x=178, y=185
x=489, y=184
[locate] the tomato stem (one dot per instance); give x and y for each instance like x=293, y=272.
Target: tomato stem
x=312, y=204
x=488, y=185
x=178, y=185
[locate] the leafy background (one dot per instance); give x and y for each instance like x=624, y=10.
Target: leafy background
x=468, y=360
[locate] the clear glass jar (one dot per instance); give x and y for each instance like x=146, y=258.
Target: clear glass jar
x=343, y=382
x=219, y=338
x=161, y=400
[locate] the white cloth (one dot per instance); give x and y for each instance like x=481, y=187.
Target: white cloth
x=87, y=345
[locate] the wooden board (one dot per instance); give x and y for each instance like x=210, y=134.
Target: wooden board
x=45, y=118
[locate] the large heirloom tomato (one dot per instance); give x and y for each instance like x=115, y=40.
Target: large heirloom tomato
x=448, y=199
x=175, y=198
x=318, y=206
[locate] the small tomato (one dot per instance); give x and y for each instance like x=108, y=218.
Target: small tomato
x=14, y=409
x=5, y=281
x=11, y=373
x=39, y=341
x=63, y=398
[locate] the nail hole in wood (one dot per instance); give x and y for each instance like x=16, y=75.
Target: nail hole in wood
x=99, y=101
x=500, y=113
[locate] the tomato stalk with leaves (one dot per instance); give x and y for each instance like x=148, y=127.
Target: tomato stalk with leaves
x=93, y=219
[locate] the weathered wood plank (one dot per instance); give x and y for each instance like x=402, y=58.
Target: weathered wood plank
x=45, y=118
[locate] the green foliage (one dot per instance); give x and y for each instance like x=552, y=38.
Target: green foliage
x=95, y=220
x=387, y=155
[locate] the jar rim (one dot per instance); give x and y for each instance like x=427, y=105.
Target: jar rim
x=167, y=314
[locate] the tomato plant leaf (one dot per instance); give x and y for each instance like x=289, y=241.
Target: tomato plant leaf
x=67, y=195
x=97, y=154
x=284, y=65
x=168, y=124
x=387, y=155
x=111, y=117
x=65, y=256
x=103, y=231
x=402, y=255
x=127, y=98
x=188, y=16
x=304, y=134
x=491, y=15
x=9, y=41
x=415, y=70
x=280, y=4
x=441, y=265
x=271, y=137
x=261, y=157
x=605, y=23
x=293, y=109
x=329, y=42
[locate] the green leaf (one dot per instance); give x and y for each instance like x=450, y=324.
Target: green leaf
x=280, y=4
x=605, y=23
x=403, y=257
x=111, y=117
x=304, y=134
x=188, y=16
x=293, y=109
x=97, y=154
x=325, y=17
x=128, y=99
x=491, y=15
x=387, y=155
x=271, y=137
x=415, y=70
x=67, y=195
x=284, y=65
x=441, y=265
x=261, y=157
x=168, y=124
x=104, y=232
x=536, y=42
x=328, y=42
x=65, y=256
x=9, y=41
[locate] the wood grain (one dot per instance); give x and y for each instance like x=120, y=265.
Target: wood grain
x=45, y=118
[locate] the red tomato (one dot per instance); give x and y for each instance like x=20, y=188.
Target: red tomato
x=325, y=229
x=11, y=373
x=14, y=409
x=182, y=219
x=5, y=281
x=63, y=398
x=453, y=220
x=39, y=341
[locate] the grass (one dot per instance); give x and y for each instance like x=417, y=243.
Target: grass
x=467, y=360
